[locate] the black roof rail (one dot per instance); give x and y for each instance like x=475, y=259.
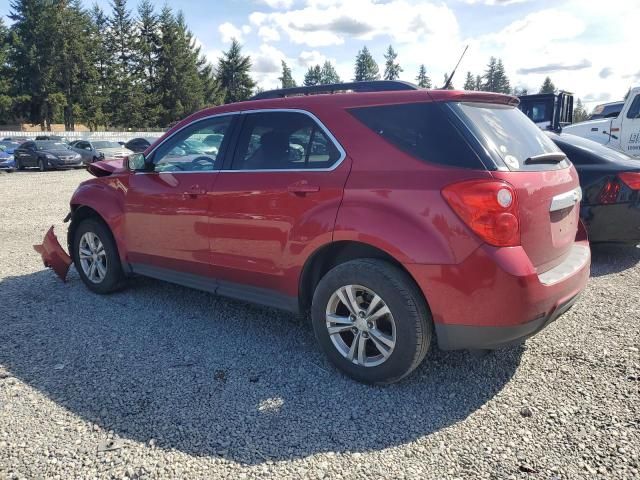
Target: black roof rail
x=371, y=86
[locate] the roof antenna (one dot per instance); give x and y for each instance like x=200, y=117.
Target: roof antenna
x=448, y=82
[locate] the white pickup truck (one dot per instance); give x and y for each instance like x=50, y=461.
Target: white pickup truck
x=621, y=133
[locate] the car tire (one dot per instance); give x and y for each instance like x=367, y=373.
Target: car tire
x=107, y=276
x=19, y=165
x=42, y=166
x=394, y=343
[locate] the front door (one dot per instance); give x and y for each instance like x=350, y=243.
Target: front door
x=630, y=132
x=276, y=202
x=166, y=219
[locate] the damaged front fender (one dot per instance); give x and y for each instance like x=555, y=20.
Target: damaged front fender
x=53, y=255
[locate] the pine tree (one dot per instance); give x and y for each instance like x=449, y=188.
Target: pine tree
x=233, y=74
x=286, y=80
x=328, y=74
x=6, y=100
x=32, y=59
x=548, y=86
x=313, y=76
x=146, y=51
x=96, y=111
x=423, y=80
x=392, y=69
x=579, y=112
x=122, y=73
x=502, y=84
x=489, y=82
x=366, y=68
x=470, y=82
x=478, y=85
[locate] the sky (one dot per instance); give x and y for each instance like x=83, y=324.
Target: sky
x=588, y=47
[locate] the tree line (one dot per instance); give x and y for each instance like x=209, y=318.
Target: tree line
x=62, y=63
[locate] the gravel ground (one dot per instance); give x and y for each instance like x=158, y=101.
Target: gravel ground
x=164, y=382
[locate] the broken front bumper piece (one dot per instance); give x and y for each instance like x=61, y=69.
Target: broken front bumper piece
x=53, y=255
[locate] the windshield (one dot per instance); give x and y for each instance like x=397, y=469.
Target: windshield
x=509, y=135
x=106, y=144
x=51, y=145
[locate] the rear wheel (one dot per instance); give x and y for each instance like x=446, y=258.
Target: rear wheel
x=96, y=257
x=371, y=320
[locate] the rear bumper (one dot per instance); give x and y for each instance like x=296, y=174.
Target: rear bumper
x=616, y=223
x=456, y=337
x=496, y=297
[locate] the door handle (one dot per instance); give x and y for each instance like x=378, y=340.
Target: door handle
x=302, y=188
x=194, y=191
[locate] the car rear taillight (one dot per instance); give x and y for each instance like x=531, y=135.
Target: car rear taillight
x=632, y=179
x=489, y=208
x=610, y=191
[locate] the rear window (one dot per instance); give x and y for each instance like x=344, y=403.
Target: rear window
x=423, y=130
x=508, y=135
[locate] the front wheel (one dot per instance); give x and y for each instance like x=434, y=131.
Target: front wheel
x=371, y=320
x=96, y=257
x=42, y=166
x=19, y=165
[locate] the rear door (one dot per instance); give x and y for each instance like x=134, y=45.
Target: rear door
x=276, y=201
x=166, y=211
x=547, y=187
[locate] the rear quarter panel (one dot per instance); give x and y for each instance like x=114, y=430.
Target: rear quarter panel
x=393, y=201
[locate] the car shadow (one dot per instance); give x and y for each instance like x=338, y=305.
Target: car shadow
x=607, y=259
x=215, y=377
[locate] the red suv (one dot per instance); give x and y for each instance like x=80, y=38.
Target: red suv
x=391, y=216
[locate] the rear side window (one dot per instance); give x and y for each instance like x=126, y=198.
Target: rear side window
x=283, y=141
x=423, y=130
x=509, y=136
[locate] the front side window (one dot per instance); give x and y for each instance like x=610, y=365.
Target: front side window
x=634, y=109
x=194, y=149
x=283, y=141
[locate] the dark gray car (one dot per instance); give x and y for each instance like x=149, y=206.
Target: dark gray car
x=46, y=154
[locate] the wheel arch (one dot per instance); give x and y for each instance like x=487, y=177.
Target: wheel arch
x=97, y=201
x=333, y=254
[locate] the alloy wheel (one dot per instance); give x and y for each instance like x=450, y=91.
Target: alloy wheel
x=93, y=257
x=361, y=325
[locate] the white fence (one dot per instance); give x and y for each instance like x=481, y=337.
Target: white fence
x=116, y=136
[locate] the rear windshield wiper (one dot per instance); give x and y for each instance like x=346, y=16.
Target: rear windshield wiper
x=555, y=157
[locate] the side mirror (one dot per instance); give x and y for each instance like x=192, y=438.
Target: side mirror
x=137, y=162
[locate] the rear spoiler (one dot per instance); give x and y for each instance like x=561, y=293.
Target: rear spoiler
x=479, y=97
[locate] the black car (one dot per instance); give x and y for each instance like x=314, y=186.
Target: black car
x=46, y=154
x=140, y=144
x=610, y=183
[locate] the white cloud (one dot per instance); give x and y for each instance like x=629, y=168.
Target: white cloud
x=268, y=34
x=329, y=22
x=228, y=31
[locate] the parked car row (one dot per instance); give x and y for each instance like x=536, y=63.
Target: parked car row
x=55, y=152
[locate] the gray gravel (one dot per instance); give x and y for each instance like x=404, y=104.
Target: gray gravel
x=160, y=381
